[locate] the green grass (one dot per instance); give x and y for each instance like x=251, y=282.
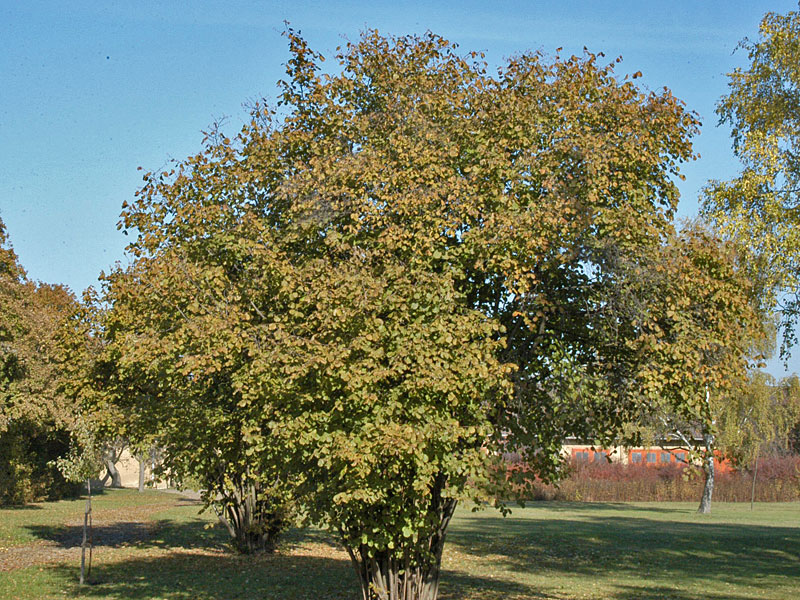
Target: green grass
x=24, y=524
x=650, y=551
x=632, y=551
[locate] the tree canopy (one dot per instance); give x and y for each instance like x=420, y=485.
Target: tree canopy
x=36, y=417
x=760, y=208
x=700, y=329
x=408, y=266
x=759, y=417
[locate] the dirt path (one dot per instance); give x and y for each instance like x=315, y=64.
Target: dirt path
x=111, y=529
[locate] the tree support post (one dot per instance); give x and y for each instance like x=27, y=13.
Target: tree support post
x=87, y=535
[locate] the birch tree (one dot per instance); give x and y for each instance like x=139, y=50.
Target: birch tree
x=760, y=208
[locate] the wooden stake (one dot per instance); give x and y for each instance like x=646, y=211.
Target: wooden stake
x=87, y=517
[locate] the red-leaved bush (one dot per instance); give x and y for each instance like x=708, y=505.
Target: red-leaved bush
x=778, y=480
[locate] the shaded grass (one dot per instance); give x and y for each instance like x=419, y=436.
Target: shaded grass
x=24, y=524
x=636, y=551
x=185, y=576
x=182, y=558
x=545, y=551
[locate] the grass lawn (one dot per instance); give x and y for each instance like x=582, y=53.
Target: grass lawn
x=155, y=545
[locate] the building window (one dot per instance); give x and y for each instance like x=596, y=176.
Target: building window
x=582, y=456
x=636, y=457
x=665, y=457
x=651, y=457
x=600, y=457
x=681, y=456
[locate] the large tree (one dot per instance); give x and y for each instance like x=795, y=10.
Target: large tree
x=402, y=270
x=760, y=208
x=699, y=331
x=36, y=417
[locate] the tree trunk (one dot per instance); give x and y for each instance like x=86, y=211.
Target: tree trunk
x=406, y=572
x=141, y=459
x=112, y=472
x=708, y=468
x=753, y=488
x=254, y=520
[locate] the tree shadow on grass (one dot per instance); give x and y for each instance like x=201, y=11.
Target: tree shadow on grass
x=187, y=532
x=664, y=551
x=162, y=533
x=40, y=505
x=175, y=562
x=637, y=558
x=456, y=586
x=183, y=575
x=110, y=536
x=297, y=537
x=666, y=593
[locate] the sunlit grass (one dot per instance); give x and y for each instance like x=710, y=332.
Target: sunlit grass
x=18, y=524
x=548, y=550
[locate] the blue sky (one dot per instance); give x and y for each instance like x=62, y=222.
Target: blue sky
x=92, y=90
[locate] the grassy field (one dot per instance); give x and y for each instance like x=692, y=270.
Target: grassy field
x=155, y=545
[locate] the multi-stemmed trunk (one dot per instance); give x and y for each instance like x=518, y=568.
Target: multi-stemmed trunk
x=407, y=571
x=253, y=520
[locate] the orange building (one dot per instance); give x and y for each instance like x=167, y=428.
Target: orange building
x=651, y=456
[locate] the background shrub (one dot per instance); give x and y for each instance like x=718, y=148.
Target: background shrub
x=778, y=480
x=27, y=473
